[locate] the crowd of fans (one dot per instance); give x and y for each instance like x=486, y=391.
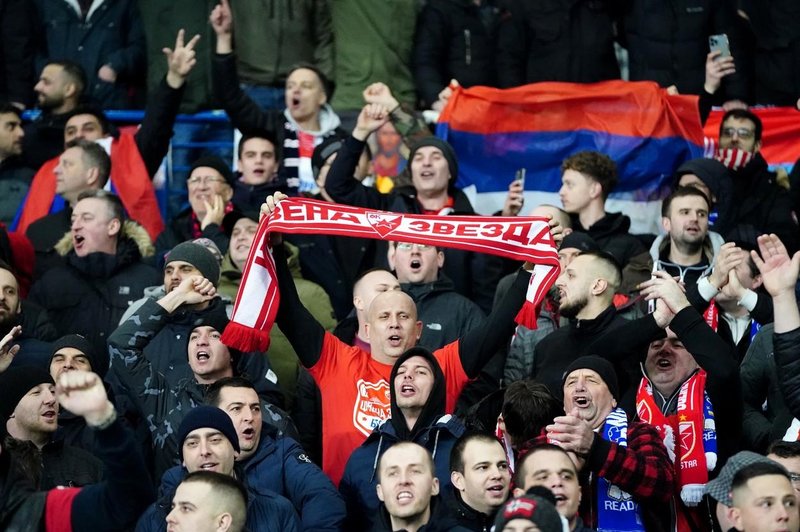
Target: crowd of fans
x=659, y=391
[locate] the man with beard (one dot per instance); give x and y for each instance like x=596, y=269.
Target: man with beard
x=15, y=175
x=418, y=416
x=758, y=201
x=586, y=290
x=58, y=92
x=688, y=248
x=35, y=329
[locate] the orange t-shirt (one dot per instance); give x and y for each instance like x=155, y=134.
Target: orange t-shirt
x=355, y=396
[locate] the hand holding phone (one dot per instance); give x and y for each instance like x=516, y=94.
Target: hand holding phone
x=719, y=43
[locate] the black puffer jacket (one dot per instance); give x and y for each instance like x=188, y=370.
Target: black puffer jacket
x=446, y=315
x=88, y=295
x=454, y=39
x=787, y=360
x=668, y=42
x=556, y=40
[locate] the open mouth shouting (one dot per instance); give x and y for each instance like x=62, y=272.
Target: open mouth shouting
x=77, y=241
x=581, y=401
x=249, y=434
x=50, y=415
x=203, y=356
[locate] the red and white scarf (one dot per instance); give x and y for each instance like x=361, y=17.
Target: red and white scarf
x=689, y=436
x=517, y=238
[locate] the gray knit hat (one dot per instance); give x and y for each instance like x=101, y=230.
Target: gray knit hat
x=719, y=489
x=198, y=256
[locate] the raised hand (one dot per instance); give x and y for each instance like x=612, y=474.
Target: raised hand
x=779, y=272
x=271, y=203
x=668, y=294
x=180, y=60
x=107, y=74
x=728, y=258
x=514, y=199
x=8, y=350
x=221, y=18
x=571, y=433
x=371, y=117
x=215, y=211
x=380, y=94
x=717, y=67
x=83, y=394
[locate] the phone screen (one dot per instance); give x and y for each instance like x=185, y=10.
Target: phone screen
x=719, y=43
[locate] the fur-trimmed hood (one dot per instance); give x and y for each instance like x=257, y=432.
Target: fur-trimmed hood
x=130, y=229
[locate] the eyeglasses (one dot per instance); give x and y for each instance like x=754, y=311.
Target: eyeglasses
x=206, y=180
x=741, y=132
x=405, y=246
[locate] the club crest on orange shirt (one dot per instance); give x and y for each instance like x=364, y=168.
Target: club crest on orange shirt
x=372, y=405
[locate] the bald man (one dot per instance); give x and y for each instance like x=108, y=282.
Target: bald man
x=355, y=384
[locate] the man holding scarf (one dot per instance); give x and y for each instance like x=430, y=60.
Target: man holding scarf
x=354, y=383
x=626, y=473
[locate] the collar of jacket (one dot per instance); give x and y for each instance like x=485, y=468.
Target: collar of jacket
x=593, y=325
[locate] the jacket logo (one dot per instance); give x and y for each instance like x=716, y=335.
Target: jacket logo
x=383, y=223
x=372, y=405
x=124, y=290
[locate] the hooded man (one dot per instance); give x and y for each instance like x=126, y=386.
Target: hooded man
x=418, y=415
x=711, y=177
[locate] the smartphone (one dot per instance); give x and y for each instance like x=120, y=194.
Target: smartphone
x=520, y=176
x=719, y=43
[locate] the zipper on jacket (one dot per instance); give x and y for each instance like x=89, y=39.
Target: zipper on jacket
x=468, y=46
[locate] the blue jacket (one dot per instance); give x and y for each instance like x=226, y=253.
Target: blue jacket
x=360, y=474
x=281, y=465
x=266, y=511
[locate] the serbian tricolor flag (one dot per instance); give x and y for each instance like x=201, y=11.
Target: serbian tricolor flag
x=647, y=132
x=779, y=140
x=129, y=180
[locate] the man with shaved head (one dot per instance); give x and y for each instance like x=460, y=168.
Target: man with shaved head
x=355, y=384
x=586, y=290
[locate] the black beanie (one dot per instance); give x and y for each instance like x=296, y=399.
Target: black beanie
x=599, y=365
x=198, y=256
x=14, y=384
x=325, y=149
x=447, y=150
x=207, y=417
x=579, y=240
x=79, y=342
x=212, y=161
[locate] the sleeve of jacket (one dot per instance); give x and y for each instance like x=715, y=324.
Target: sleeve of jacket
x=304, y=333
x=343, y=187
x=763, y=312
x=310, y=490
x=154, y=134
x=126, y=346
x=724, y=21
x=245, y=114
x=786, y=347
x=512, y=52
x=129, y=62
x=478, y=345
x=643, y=468
x=323, y=32
x=754, y=377
x=97, y=506
x=18, y=50
x=430, y=55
